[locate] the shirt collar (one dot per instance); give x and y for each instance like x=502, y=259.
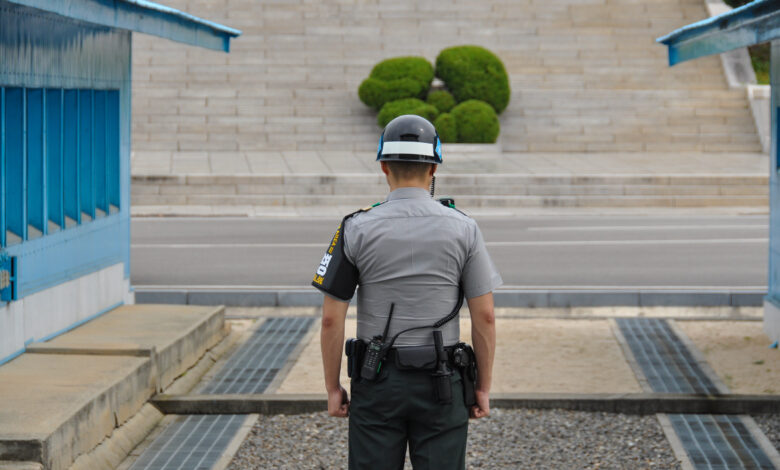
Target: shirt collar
x=408, y=193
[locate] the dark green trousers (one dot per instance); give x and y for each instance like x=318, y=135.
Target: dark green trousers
x=400, y=408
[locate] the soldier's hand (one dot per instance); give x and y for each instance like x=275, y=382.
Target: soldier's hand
x=482, y=408
x=338, y=403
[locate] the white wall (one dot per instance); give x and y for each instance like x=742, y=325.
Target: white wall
x=52, y=310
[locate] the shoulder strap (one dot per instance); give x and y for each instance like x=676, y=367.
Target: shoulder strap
x=450, y=202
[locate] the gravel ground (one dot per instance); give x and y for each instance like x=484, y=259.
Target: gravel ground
x=509, y=439
x=770, y=424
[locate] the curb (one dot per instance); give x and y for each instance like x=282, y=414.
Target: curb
x=503, y=298
x=629, y=403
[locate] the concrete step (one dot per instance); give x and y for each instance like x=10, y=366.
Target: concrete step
x=63, y=397
x=467, y=201
x=470, y=190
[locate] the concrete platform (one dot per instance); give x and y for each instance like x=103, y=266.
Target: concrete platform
x=64, y=397
x=174, y=336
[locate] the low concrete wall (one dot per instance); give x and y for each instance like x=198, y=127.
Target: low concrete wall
x=771, y=321
x=759, y=98
x=55, y=310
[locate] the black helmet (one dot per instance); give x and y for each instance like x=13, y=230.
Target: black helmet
x=409, y=138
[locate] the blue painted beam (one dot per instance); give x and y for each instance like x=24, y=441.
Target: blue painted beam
x=3, y=171
x=70, y=167
x=144, y=17
x=754, y=23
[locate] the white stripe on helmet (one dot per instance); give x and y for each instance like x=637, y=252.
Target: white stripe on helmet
x=408, y=148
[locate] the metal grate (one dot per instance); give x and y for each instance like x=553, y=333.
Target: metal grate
x=197, y=442
x=719, y=442
x=665, y=361
x=190, y=443
x=255, y=364
x=712, y=442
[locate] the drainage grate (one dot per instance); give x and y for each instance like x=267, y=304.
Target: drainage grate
x=255, y=364
x=197, y=442
x=719, y=442
x=712, y=442
x=665, y=361
x=190, y=443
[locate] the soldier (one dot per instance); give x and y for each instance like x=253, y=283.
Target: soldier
x=414, y=259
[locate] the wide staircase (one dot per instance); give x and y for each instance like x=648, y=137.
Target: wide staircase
x=278, y=119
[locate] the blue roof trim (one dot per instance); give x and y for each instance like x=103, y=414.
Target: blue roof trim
x=186, y=16
x=142, y=16
x=753, y=23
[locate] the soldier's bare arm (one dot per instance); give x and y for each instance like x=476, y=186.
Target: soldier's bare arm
x=334, y=314
x=483, y=335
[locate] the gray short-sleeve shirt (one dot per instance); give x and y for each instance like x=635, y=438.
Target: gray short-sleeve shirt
x=414, y=252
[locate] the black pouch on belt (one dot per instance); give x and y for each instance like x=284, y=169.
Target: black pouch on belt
x=466, y=361
x=354, y=349
x=415, y=357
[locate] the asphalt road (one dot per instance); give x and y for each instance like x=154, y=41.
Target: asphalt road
x=530, y=252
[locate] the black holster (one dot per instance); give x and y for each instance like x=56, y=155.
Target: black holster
x=464, y=358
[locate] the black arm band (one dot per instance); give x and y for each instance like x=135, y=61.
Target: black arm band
x=336, y=275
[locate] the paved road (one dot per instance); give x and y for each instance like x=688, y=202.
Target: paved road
x=530, y=252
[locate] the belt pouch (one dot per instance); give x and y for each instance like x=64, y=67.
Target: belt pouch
x=354, y=349
x=415, y=358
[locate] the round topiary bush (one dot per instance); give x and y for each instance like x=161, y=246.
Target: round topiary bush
x=476, y=121
x=393, y=79
x=442, y=99
x=473, y=72
x=416, y=68
x=447, y=128
x=376, y=93
x=393, y=109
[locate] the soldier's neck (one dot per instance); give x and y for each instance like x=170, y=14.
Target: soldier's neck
x=408, y=184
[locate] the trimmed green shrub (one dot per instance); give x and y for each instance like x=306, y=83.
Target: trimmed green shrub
x=393, y=109
x=447, y=128
x=396, y=78
x=473, y=72
x=442, y=99
x=477, y=122
x=375, y=93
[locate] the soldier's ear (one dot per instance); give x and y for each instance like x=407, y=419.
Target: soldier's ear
x=384, y=167
x=433, y=169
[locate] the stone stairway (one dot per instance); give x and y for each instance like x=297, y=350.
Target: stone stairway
x=469, y=190
x=586, y=77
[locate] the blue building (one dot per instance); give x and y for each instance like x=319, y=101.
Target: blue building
x=754, y=23
x=65, y=91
